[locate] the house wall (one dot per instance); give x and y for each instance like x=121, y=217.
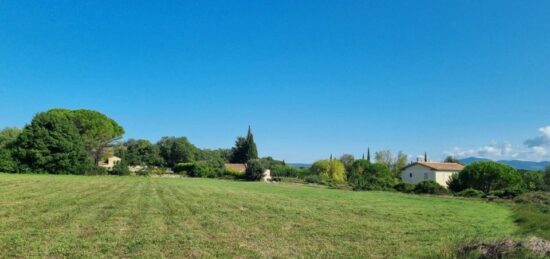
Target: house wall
x=416, y=174
x=441, y=177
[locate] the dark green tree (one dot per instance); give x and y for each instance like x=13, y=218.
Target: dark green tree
x=252, y=150
x=451, y=159
x=142, y=152
x=51, y=143
x=487, y=176
x=245, y=149
x=177, y=150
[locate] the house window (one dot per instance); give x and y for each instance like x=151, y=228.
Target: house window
x=411, y=175
x=425, y=176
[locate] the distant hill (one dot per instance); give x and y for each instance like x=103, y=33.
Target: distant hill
x=518, y=164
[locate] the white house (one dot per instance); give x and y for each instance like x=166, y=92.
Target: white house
x=424, y=171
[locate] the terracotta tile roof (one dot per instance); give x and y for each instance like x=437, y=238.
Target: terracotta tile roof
x=439, y=166
x=236, y=167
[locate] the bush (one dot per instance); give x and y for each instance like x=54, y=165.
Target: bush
x=233, y=173
x=312, y=179
x=472, y=193
x=183, y=168
x=255, y=169
x=430, y=187
x=508, y=193
x=404, y=187
x=367, y=176
x=121, y=168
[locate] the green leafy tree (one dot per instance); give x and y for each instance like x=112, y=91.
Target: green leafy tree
x=177, y=150
x=368, y=176
x=487, y=176
x=7, y=163
x=142, y=152
x=51, y=143
x=547, y=178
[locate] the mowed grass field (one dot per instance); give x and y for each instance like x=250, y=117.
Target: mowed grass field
x=84, y=216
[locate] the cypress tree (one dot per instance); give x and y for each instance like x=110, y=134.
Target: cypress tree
x=425, y=157
x=368, y=154
x=252, y=150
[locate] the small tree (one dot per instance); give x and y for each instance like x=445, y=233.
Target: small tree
x=451, y=159
x=255, y=169
x=430, y=187
x=347, y=160
x=547, y=177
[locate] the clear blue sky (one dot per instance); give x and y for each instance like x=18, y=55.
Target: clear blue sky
x=312, y=78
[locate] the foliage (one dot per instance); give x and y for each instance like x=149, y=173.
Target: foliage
x=255, y=169
x=367, y=176
x=51, y=144
x=547, y=178
x=233, y=173
x=97, y=170
x=399, y=163
x=430, y=187
x=347, y=160
x=152, y=170
x=453, y=184
x=8, y=136
x=245, y=149
x=183, y=168
x=313, y=179
x=487, y=176
x=7, y=163
x=404, y=187
x=142, y=152
x=206, y=169
x=384, y=157
x=329, y=170
x=120, y=168
x=473, y=193
x=533, y=181
x=174, y=150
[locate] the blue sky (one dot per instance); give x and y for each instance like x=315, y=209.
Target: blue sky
x=312, y=78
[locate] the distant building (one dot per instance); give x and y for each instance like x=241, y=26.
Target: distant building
x=424, y=171
x=110, y=162
x=241, y=168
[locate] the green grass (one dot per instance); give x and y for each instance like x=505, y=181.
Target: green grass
x=532, y=214
x=79, y=216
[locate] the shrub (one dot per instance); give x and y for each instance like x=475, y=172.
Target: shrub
x=508, y=192
x=312, y=179
x=473, y=193
x=183, y=168
x=430, y=187
x=255, y=169
x=404, y=187
x=367, y=176
x=488, y=176
x=121, y=168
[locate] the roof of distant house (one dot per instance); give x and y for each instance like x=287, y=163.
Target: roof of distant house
x=236, y=167
x=439, y=166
